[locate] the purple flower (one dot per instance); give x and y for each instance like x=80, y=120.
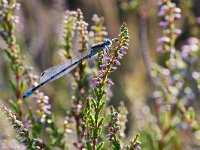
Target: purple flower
x=159, y=49
x=177, y=16
x=185, y=48
x=95, y=79
x=123, y=52
x=97, y=84
x=177, y=31
x=109, y=135
x=185, y=51
x=100, y=72
x=107, y=60
x=191, y=96
x=110, y=82
x=23, y=140
x=103, y=66
x=119, y=56
x=117, y=63
x=193, y=40
x=163, y=24
x=162, y=11
x=172, y=51
x=46, y=100
x=101, y=75
x=164, y=39
x=177, y=10
x=122, y=49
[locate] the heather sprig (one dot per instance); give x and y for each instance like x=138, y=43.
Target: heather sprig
x=169, y=14
x=116, y=126
x=7, y=27
x=120, y=45
x=113, y=129
x=134, y=144
x=22, y=133
x=111, y=63
x=76, y=24
x=69, y=26
x=123, y=112
x=81, y=79
x=82, y=30
x=190, y=54
x=98, y=33
x=98, y=30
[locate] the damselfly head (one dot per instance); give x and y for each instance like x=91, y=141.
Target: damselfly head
x=107, y=42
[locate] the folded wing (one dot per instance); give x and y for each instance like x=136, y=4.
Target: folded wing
x=60, y=70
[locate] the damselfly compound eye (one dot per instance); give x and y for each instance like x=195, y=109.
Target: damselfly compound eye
x=107, y=42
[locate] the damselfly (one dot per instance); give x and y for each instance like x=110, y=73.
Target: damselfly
x=60, y=70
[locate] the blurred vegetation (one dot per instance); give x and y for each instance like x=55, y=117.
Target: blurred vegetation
x=156, y=91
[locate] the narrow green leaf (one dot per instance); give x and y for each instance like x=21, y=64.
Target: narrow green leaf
x=100, y=146
x=100, y=122
x=13, y=85
x=191, y=113
x=94, y=102
x=92, y=120
x=14, y=105
x=101, y=105
x=89, y=146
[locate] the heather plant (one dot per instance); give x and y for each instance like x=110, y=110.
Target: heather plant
x=176, y=81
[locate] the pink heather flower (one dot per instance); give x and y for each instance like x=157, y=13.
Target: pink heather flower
x=164, y=39
x=194, y=47
x=23, y=140
x=119, y=56
x=100, y=72
x=110, y=82
x=172, y=51
x=97, y=84
x=186, y=48
x=177, y=16
x=159, y=49
x=163, y=24
x=185, y=51
x=161, y=13
x=95, y=79
x=177, y=10
x=103, y=66
x=107, y=60
x=101, y=75
x=46, y=100
x=117, y=63
x=109, y=135
x=193, y=40
x=125, y=48
x=190, y=96
x=123, y=52
x=122, y=49
x=177, y=31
